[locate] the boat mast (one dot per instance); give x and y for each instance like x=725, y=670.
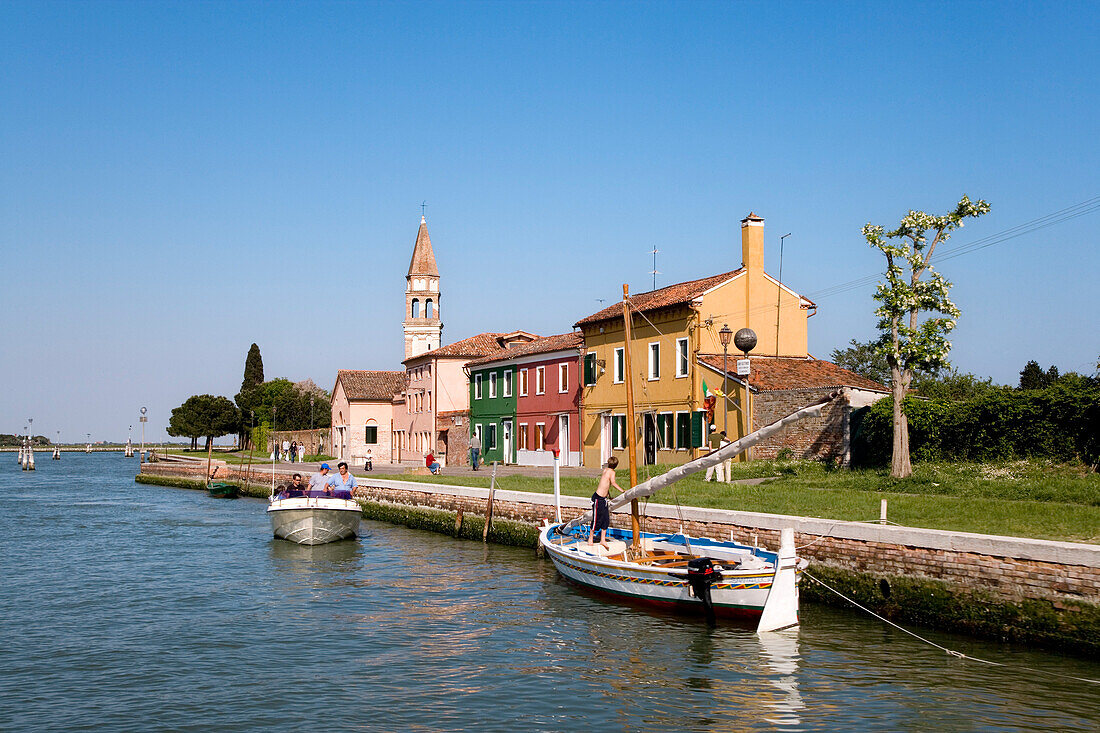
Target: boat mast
x=631, y=436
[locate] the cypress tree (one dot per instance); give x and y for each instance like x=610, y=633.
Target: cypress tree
x=249, y=396
x=253, y=369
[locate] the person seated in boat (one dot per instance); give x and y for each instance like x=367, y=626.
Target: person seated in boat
x=297, y=488
x=343, y=484
x=320, y=481
x=432, y=464
x=601, y=513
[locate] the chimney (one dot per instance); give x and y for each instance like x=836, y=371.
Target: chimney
x=752, y=243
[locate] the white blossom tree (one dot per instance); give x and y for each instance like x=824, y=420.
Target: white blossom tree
x=908, y=342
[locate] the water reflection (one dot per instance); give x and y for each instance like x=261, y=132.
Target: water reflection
x=423, y=631
x=779, y=653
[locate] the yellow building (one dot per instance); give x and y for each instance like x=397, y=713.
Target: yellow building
x=671, y=329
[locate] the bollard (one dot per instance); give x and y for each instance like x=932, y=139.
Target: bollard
x=882, y=512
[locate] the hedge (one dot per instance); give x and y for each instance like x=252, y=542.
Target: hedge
x=1060, y=422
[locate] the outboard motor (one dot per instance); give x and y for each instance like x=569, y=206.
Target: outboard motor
x=701, y=575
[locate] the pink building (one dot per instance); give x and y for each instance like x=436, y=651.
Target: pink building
x=437, y=383
x=362, y=414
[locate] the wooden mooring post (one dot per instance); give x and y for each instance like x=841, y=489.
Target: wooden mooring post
x=489, y=509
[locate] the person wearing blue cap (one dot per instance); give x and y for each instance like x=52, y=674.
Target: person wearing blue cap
x=320, y=481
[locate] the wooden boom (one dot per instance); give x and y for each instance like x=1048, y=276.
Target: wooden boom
x=655, y=484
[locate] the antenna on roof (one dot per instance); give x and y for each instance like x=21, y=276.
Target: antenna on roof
x=654, y=272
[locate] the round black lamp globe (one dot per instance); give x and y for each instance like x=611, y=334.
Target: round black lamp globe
x=745, y=340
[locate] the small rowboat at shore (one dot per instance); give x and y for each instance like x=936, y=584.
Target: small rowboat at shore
x=314, y=517
x=222, y=490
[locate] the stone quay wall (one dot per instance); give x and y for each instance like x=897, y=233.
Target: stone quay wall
x=1034, y=591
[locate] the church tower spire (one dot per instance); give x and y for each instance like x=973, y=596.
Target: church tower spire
x=423, y=328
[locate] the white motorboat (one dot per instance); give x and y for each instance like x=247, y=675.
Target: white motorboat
x=315, y=517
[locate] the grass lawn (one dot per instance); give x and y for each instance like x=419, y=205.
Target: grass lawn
x=1036, y=499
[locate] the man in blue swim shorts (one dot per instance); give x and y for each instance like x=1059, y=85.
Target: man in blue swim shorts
x=601, y=513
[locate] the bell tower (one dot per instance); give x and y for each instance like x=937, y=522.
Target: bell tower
x=423, y=328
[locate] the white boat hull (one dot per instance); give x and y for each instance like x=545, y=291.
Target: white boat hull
x=739, y=593
x=314, y=521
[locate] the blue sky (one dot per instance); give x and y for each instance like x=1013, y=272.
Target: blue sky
x=178, y=180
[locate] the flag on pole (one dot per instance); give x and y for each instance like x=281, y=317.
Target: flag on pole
x=707, y=391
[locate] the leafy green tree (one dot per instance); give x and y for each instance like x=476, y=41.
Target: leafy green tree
x=204, y=415
x=1032, y=377
x=908, y=343
x=950, y=384
x=865, y=359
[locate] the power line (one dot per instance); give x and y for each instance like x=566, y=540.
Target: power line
x=1042, y=222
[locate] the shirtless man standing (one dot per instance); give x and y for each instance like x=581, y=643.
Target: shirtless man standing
x=601, y=515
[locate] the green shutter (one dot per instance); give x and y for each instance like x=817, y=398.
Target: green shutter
x=371, y=434
x=589, y=369
x=697, y=429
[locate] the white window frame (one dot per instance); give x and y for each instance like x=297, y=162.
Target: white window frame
x=683, y=363
x=522, y=437
x=477, y=432
x=492, y=433
x=477, y=386
x=669, y=439
x=653, y=353
x=492, y=385
x=507, y=382
x=522, y=382
x=540, y=380
x=621, y=436
x=618, y=366
x=540, y=436
x=563, y=377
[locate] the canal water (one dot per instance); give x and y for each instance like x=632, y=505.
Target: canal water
x=132, y=607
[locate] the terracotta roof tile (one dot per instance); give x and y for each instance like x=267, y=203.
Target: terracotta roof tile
x=542, y=345
x=370, y=385
x=771, y=373
x=423, y=258
x=482, y=344
x=677, y=294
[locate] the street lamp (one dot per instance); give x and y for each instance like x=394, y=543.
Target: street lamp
x=724, y=336
x=143, y=420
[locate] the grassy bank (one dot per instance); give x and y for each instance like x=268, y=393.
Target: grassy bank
x=1022, y=499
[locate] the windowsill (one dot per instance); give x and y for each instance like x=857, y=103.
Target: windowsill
x=654, y=379
x=682, y=376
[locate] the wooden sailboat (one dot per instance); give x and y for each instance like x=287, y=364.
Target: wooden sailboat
x=699, y=575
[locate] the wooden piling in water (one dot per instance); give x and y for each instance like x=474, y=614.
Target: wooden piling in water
x=489, y=509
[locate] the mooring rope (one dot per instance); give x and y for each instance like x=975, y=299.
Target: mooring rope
x=952, y=652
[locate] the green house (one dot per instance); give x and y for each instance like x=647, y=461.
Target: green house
x=493, y=411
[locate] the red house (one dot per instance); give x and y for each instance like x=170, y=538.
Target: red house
x=548, y=393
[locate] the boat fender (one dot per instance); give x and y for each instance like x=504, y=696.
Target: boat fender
x=701, y=575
